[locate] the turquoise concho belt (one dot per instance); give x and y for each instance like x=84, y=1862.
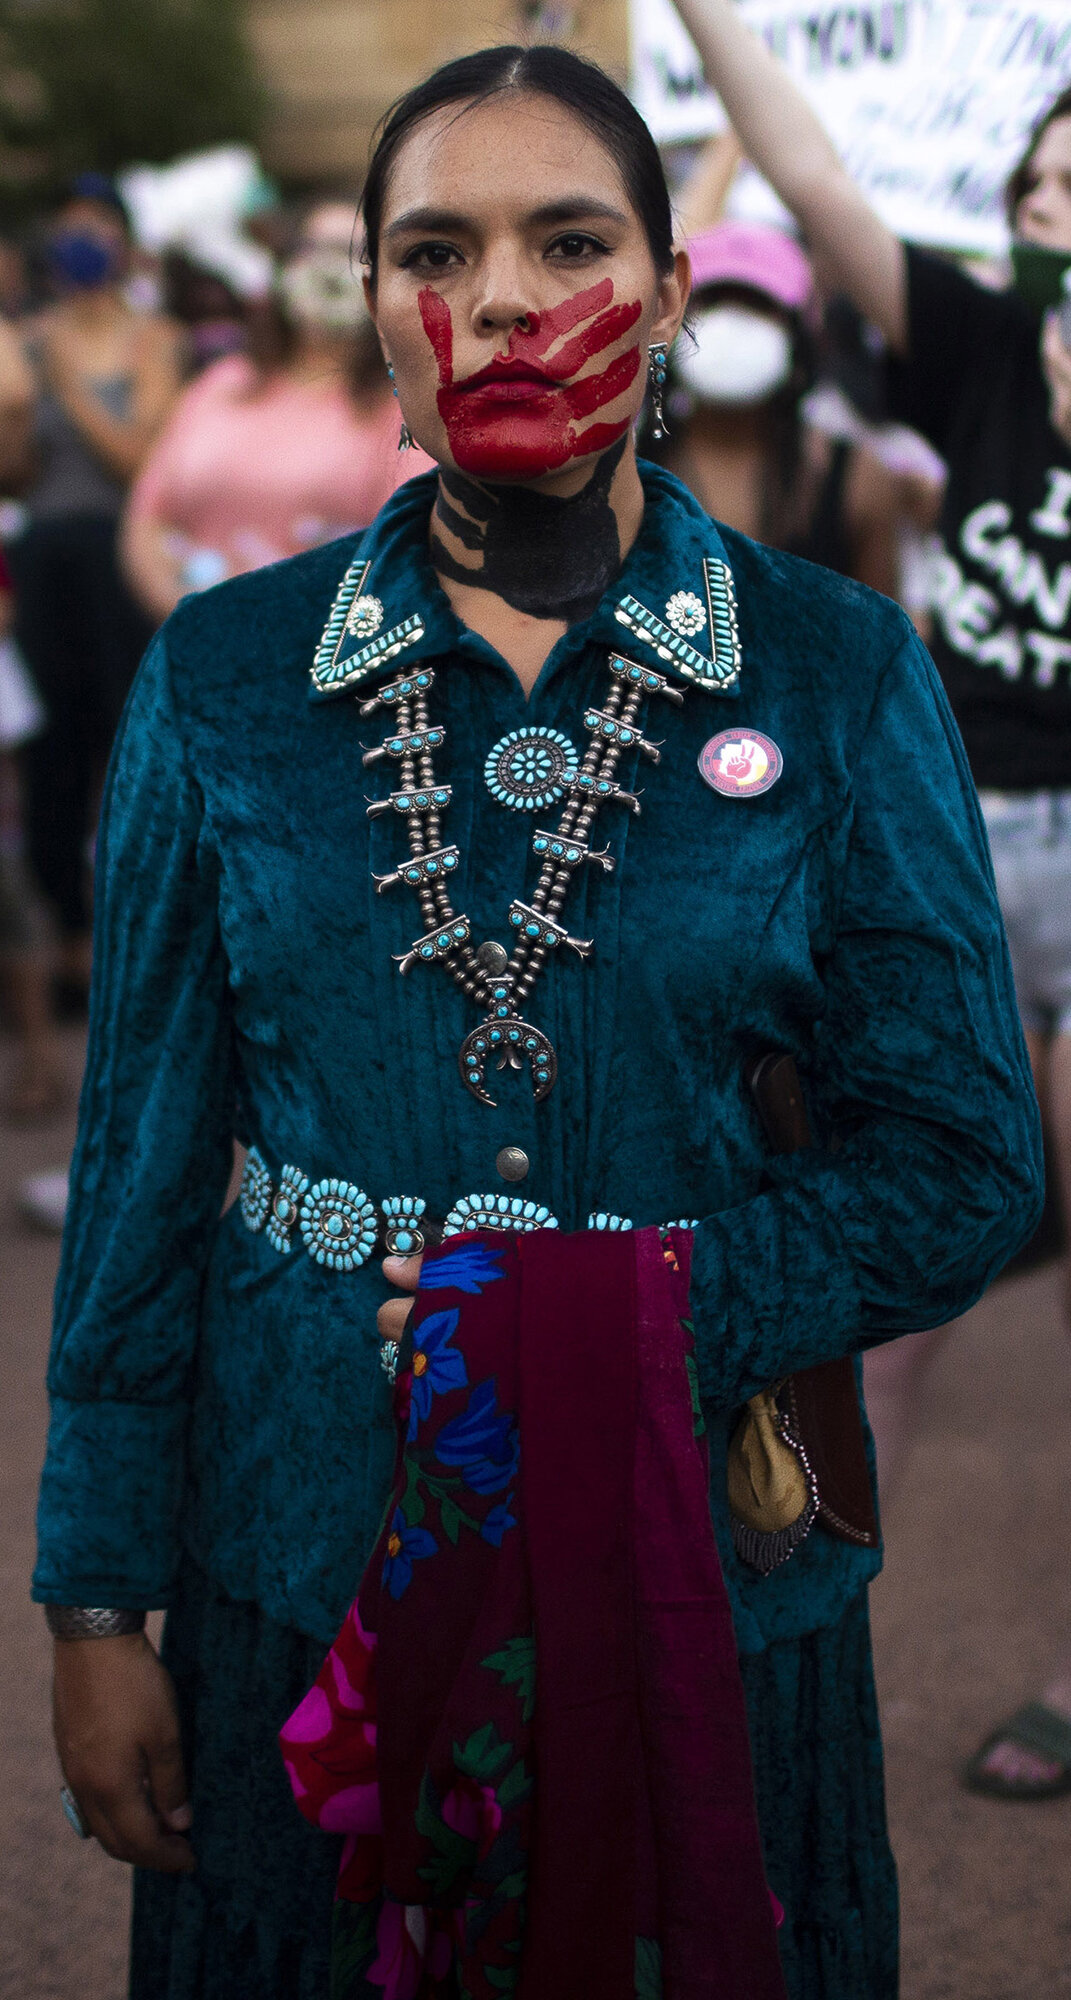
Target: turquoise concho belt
x=341, y=1226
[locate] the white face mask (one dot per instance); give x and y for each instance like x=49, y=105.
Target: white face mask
x=739, y=356
x=320, y=289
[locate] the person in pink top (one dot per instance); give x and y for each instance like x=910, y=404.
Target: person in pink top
x=271, y=452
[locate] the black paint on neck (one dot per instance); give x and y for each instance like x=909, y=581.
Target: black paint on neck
x=548, y=557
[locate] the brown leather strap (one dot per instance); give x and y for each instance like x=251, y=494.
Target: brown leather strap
x=823, y=1402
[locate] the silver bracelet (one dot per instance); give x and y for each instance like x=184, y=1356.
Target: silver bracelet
x=83, y=1621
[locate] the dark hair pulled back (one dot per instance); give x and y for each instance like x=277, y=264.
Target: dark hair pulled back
x=1019, y=181
x=582, y=87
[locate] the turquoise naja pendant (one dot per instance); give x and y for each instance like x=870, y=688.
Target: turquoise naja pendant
x=509, y=1043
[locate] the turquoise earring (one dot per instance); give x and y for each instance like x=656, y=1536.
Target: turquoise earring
x=657, y=368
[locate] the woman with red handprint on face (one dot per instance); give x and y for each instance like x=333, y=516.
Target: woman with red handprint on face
x=419, y=874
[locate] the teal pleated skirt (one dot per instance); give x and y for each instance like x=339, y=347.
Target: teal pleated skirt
x=254, y=1923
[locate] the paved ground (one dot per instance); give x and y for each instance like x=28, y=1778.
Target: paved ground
x=970, y=1613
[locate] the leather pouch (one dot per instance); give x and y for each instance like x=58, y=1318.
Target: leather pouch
x=797, y=1453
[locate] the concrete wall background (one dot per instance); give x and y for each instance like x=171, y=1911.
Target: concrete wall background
x=333, y=66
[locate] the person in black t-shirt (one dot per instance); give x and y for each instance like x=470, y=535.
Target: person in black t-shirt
x=987, y=380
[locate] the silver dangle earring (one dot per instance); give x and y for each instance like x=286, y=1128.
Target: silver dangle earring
x=657, y=359
x=405, y=435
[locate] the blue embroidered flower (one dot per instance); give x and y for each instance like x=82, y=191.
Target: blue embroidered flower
x=405, y=1546
x=466, y=1270
x=498, y=1522
x=437, y=1367
x=482, y=1442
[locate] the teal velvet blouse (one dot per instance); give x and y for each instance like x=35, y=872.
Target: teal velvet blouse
x=209, y=1390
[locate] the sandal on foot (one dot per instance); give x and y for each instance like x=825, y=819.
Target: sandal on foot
x=1033, y=1727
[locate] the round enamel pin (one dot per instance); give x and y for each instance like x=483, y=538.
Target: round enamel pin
x=741, y=763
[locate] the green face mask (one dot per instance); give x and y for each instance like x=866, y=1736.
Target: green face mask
x=1039, y=275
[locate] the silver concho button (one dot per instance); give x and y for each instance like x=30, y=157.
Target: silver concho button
x=512, y=1163
x=492, y=957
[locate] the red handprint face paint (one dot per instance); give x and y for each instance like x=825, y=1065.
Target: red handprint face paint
x=524, y=415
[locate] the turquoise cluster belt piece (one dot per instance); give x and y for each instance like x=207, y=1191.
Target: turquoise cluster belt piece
x=341, y=1226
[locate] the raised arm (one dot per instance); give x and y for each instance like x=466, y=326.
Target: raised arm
x=780, y=133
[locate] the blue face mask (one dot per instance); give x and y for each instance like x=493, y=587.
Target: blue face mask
x=81, y=260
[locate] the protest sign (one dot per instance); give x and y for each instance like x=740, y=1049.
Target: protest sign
x=928, y=101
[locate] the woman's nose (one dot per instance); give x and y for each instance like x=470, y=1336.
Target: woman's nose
x=504, y=301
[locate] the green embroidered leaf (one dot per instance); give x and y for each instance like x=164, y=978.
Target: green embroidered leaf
x=353, y=1944
x=484, y=1754
x=453, y=1853
x=648, y=1969
x=514, y=1786
x=692, y=1371
x=502, y=1978
x=411, y=1504
x=515, y=1665
x=511, y=1887
x=450, y=1516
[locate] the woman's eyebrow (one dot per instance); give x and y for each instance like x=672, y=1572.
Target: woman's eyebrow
x=575, y=208
x=428, y=218
x=572, y=208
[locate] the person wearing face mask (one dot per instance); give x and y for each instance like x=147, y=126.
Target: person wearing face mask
x=985, y=376
x=738, y=434
x=462, y=869
x=105, y=377
x=274, y=450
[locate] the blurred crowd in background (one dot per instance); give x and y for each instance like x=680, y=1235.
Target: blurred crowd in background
x=191, y=386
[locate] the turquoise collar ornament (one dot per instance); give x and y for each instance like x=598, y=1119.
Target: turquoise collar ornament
x=357, y=617
x=671, y=637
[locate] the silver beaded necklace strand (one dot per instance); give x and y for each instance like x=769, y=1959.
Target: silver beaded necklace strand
x=501, y=983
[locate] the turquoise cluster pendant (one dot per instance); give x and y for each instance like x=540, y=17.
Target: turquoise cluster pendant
x=529, y=769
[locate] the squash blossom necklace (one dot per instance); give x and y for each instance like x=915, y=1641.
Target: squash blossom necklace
x=528, y=769
x=501, y=984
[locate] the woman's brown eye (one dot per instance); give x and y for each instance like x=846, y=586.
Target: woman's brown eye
x=576, y=245
x=429, y=257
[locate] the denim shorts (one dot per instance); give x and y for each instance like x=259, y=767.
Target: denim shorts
x=1030, y=841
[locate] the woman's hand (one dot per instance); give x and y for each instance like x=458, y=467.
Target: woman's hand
x=117, y=1733
x=1056, y=366
x=393, y=1314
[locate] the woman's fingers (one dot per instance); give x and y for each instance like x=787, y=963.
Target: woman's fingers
x=125, y=1821
x=168, y=1790
x=117, y=1734
x=404, y=1272
x=392, y=1316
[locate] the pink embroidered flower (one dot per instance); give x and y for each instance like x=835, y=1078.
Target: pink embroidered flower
x=329, y=1743
x=399, y=1965
x=473, y=1811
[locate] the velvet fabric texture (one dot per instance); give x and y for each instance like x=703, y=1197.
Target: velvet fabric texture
x=532, y=1726
x=255, y=1921
x=210, y=1393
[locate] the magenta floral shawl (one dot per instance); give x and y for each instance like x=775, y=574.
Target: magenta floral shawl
x=531, y=1728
